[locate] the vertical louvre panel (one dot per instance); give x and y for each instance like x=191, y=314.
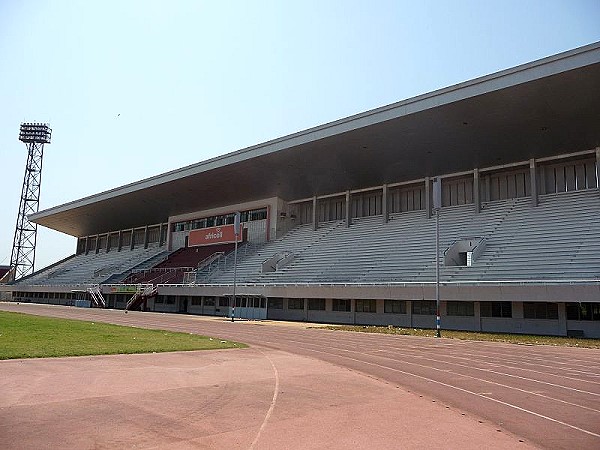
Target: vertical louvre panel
x=550, y=180
x=495, y=188
x=527, y=183
x=511, y=186
x=570, y=177
x=468, y=190
x=445, y=194
x=590, y=175
x=503, y=191
x=580, y=180
x=520, y=185
x=559, y=174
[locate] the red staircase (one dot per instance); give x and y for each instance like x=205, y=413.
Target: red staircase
x=173, y=269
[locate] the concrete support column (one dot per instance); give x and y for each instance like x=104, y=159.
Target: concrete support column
x=169, y=236
x=132, y=239
x=348, y=209
x=488, y=188
x=314, y=211
x=120, y=243
x=428, y=197
x=384, y=204
x=87, y=245
x=533, y=177
x=97, y=250
x=476, y=199
x=146, y=237
x=107, y=242
x=562, y=319
x=160, y=233
x=306, y=307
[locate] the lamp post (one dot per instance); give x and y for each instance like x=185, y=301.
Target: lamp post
x=236, y=230
x=437, y=205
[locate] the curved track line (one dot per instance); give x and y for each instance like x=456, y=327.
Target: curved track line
x=466, y=391
x=273, y=401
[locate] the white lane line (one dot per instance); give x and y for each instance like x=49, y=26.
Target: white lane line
x=539, y=394
x=427, y=357
x=497, y=372
x=466, y=391
x=273, y=401
x=427, y=367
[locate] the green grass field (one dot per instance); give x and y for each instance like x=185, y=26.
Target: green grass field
x=525, y=339
x=26, y=336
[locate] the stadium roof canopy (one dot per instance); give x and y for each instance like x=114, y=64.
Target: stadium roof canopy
x=539, y=109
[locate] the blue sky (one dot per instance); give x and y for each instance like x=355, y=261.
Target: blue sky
x=136, y=88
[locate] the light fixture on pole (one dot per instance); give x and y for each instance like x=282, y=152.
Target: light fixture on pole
x=22, y=259
x=437, y=206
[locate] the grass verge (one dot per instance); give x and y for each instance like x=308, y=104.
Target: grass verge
x=27, y=336
x=474, y=336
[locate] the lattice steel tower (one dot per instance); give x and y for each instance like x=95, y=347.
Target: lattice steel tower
x=22, y=259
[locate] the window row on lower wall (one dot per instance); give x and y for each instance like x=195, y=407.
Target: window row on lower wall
x=530, y=310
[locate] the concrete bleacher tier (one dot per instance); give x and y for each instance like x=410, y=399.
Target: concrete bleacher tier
x=95, y=268
x=557, y=240
x=173, y=268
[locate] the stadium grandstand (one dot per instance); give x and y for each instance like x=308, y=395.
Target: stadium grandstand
x=339, y=225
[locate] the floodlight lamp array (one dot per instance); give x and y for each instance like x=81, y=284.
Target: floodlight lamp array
x=39, y=133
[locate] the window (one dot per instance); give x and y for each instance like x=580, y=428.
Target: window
x=495, y=309
x=275, y=303
x=583, y=311
x=540, y=310
x=159, y=299
x=394, y=307
x=209, y=301
x=223, y=301
x=424, y=308
x=341, y=305
x=170, y=300
x=316, y=304
x=460, y=309
x=295, y=303
x=258, y=214
x=369, y=306
x=196, y=301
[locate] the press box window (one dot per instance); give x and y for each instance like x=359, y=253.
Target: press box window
x=424, y=308
x=583, y=311
x=368, y=306
x=460, y=309
x=316, y=304
x=394, y=307
x=495, y=309
x=275, y=303
x=295, y=303
x=341, y=305
x=540, y=310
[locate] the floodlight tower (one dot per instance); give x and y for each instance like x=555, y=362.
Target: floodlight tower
x=22, y=259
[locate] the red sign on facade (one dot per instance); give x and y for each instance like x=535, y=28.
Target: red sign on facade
x=223, y=234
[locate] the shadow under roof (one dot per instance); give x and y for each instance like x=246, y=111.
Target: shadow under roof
x=539, y=109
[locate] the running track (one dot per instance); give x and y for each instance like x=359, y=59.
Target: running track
x=550, y=396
